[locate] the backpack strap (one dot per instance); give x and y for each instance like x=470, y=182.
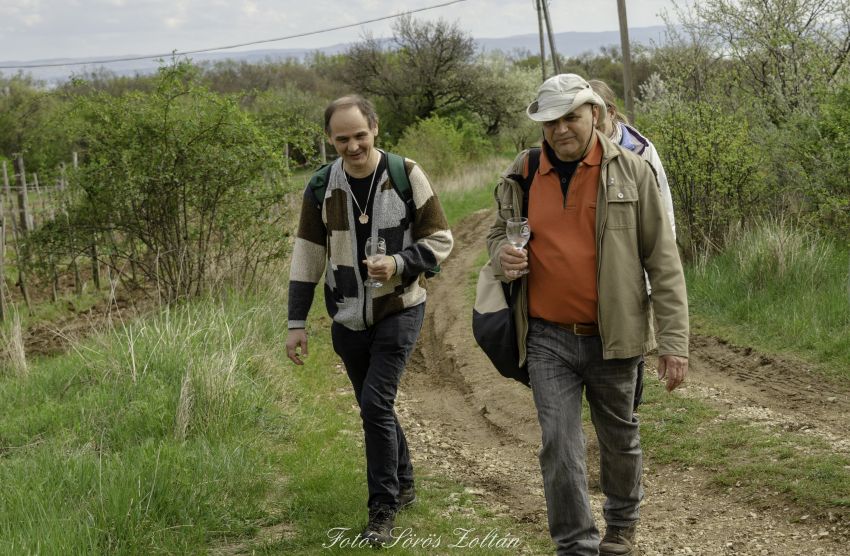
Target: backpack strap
x=533, y=165
x=319, y=182
x=398, y=175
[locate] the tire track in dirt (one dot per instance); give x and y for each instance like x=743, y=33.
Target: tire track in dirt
x=464, y=420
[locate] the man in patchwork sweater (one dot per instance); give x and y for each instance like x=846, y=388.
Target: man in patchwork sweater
x=374, y=330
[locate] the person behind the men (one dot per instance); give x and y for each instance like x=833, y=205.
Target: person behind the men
x=374, y=330
x=616, y=127
x=584, y=317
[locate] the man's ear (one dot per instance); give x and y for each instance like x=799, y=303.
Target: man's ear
x=594, y=108
x=376, y=128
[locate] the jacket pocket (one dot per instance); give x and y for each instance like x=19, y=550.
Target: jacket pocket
x=622, y=207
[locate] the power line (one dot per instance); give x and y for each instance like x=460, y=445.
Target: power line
x=130, y=59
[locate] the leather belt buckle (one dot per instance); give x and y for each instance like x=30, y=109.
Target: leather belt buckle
x=583, y=329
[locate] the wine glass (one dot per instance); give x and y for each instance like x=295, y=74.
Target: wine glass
x=376, y=248
x=518, y=232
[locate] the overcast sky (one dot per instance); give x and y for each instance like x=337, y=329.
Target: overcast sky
x=43, y=29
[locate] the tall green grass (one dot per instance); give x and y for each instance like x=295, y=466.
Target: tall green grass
x=151, y=439
x=777, y=288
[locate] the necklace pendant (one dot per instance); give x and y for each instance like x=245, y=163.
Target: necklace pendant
x=364, y=219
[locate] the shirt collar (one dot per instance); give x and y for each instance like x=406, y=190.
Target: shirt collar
x=593, y=158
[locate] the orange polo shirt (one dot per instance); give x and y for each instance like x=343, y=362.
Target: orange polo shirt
x=562, y=253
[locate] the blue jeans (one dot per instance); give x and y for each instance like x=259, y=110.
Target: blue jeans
x=562, y=365
x=375, y=359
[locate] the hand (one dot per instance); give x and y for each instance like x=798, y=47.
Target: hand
x=297, y=338
x=675, y=368
x=512, y=259
x=381, y=271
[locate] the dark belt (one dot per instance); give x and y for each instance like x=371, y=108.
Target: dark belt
x=579, y=329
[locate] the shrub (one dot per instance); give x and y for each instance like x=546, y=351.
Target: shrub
x=172, y=185
x=441, y=146
x=713, y=167
x=823, y=147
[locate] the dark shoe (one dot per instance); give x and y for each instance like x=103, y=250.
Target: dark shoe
x=379, y=531
x=406, y=496
x=618, y=541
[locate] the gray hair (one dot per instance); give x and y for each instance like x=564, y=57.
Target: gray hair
x=366, y=108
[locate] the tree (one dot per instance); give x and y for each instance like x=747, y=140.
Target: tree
x=782, y=50
x=25, y=107
x=428, y=68
x=172, y=184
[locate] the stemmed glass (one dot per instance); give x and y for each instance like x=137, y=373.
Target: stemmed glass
x=376, y=248
x=519, y=232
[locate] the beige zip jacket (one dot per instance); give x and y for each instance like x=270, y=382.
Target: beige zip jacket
x=633, y=234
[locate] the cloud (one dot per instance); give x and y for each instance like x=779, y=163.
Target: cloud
x=40, y=29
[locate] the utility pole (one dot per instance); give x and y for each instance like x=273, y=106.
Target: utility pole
x=555, y=62
x=542, y=41
x=627, y=61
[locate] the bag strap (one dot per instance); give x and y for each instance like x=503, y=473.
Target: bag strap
x=533, y=165
x=398, y=175
x=319, y=182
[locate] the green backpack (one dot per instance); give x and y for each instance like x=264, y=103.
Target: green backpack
x=395, y=165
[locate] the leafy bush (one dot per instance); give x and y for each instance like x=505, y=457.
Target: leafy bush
x=713, y=167
x=441, y=146
x=825, y=155
x=173, y=185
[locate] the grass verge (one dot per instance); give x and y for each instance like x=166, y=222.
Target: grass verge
x=779, y=290
x=152, y=439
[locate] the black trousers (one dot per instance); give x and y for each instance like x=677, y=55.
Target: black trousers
x=375, y=359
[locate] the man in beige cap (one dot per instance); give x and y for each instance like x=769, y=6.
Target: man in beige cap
x=584, y=317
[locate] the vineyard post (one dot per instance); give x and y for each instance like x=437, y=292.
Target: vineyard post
x=23, y=201
x=54, y=275
x=322, y=150
x=2, y=276
x=3, y=202
x=286, y=154
x=95, y=263
x=78, y=283
x=40, y=198
x=21, y=272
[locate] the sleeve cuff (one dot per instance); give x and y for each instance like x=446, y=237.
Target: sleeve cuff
x=296, y=324
x=677, y=347
x=399, y=265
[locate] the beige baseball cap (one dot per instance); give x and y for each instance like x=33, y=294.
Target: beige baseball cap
x=561, y=95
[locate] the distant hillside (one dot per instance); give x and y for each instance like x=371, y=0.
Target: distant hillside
x=568, y=44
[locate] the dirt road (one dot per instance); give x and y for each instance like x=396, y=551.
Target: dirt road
x=467, y=422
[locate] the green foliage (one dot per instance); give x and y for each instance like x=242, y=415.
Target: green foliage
x=442, y=146
x=432, y=68
x=172, y=184
x=25, y=107
x=822, y=145
x=714, y=171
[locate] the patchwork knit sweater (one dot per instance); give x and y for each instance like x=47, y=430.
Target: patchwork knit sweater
x=326, y=240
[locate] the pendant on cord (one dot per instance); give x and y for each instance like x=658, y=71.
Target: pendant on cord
x=364, y=219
